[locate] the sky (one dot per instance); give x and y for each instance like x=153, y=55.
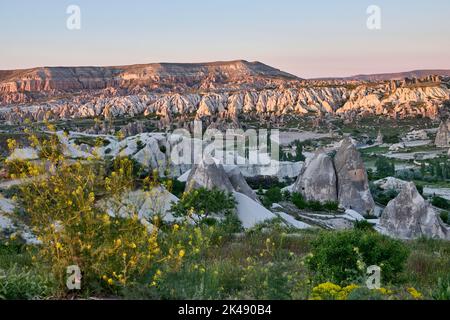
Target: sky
x=307, y=38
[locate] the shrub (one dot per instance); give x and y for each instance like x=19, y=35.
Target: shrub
x=363, y=225
x=445, y=217
x=342, y=257
x=264, y=182
x=440, y=203
x=72, y=212
x=315, y=205
x=201, y=203
x=385, y=168
x=331, y=291
x=271, y=196
x=299, y=201
x=331, y=205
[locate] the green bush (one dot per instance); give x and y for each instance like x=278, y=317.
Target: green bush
x=440, y=203
x=342, y=257
x=363, y=225
x=331, y=206
x=271, y=196
x=299, y=201
x=445, y=217
x=203, y=202
x=385, y=168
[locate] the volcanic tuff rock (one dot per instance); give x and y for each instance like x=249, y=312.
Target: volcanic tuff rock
x=175, y=76
x=224, y=89
x=442, y=136
x=239, y=184
x=353, y=185
x=409, y=216
x=207, y=174
x=317, y=180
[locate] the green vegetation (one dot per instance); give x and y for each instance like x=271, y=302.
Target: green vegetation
x=382, y=196
x=300, y=202
x=343, y=257
x=271, y=196
x=121, y=257
x=202, y=203
x=385, y=168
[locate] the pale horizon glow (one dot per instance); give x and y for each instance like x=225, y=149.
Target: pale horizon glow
x=324, y=38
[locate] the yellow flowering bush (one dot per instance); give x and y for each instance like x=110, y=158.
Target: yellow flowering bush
x=414, y=293
x=331, y=291
x=111, y=246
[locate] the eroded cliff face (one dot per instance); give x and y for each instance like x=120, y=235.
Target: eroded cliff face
x=221, y=89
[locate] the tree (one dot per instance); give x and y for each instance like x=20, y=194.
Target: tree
x=201, y=203
x=385, y=168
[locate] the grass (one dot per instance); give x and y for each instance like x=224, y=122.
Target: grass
x=252, y=265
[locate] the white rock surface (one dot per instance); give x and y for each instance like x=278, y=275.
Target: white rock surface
x=409, y=216
x=251, y=213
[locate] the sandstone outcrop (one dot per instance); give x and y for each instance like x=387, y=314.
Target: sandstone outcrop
x=409, y=216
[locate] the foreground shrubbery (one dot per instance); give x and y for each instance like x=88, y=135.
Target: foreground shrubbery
x=343, y=257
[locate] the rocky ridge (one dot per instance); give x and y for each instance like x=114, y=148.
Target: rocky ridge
x=225, y=90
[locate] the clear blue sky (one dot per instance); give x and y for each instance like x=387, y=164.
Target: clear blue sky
x=306, y=38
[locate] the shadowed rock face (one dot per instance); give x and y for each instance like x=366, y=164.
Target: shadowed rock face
x=208, y=175
x=353, y=185
x=240, y=185
x=317, y=181
x=409, y=216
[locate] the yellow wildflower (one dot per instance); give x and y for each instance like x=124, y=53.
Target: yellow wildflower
x=414, y=293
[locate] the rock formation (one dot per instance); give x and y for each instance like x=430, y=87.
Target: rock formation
x=353, y=186
x=317, y=180
x=222, y=89
x=409, y=216
x=239, y=184
x=379, y=139
x=207, y=174
x=442, y=136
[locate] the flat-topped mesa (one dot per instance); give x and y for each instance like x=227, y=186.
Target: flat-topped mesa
x=352, y=181
x=317, y=180
x=152, y=76
x=409, y=216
